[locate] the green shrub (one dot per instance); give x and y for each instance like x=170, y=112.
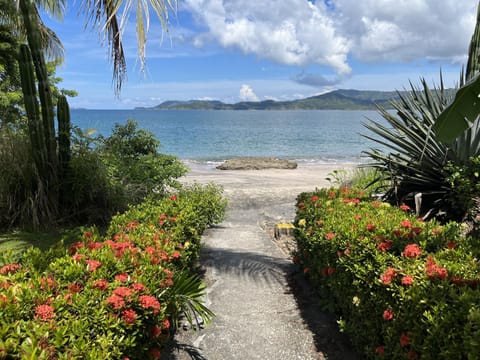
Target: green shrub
x=403, y=288
x=132, y=156
x=109, y=297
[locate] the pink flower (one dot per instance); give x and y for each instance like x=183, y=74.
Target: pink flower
x=385, y=245
x=100, y=284
x=380, y=350
x=407, y=224
x=137, y=287
x=44, y=312
x=129, y=316
x=93, y=265
x=412, y=251
x=407, y=280
x=388, y=275
x=123, y=292
x=329, y=236
x=154, y=353
x=124, y=277
x=116, y=301
x=9, y=269
x=404, y=340
x=149, y=302
x=388, y=315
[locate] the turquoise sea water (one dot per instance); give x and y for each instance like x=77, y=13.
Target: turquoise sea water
x=321, y=136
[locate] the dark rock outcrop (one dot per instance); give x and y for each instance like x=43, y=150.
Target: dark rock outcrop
x=256, y=163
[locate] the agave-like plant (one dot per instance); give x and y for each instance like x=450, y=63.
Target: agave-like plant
x=413, y=158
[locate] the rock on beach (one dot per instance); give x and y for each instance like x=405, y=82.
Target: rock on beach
x=257, y=163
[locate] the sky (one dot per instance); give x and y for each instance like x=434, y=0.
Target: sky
x=254, y=50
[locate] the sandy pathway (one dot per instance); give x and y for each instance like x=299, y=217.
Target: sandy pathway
x=257, y=315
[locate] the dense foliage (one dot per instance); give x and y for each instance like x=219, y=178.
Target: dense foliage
x=403, y=288
x=111, y=297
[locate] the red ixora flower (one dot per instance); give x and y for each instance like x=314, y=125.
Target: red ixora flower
x=154, y=353
x=371, y=227
x=9, y=269
x=412, y=251
x=123, y=292
x=176, y=254
x=129, y=316
x=407, y=280
x=388, y=315
x=385, y=245
x=44, y=312
x=380, y=350
x=404, y=339
x=123, y=277
x=329, y=236
x=407, y=224
x=404, y=207
x=137, y=287
x=173, y=198
x=156, y=331
x=93, y=265
x=388, y=275
x=100, y=284
x=434, y=270
x=314, y=198
x=75, y=287
x=116, y=301
x=149, y=302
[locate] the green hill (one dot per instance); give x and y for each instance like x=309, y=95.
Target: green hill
x=335, y=100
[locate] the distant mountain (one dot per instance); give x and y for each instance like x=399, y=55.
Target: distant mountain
x=335, y=100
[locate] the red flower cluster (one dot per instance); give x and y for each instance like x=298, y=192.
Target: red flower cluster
x=129, y=316
x=388, y=276
x=433, y=270
x=149, y=302
x=94, y=245
x=47, y=283
x=404, y=207
x=351, y=201
x=9, y=269
x=407, y=224
x=385, y=245
x=93, y=265
x=137, y=287
x=44, y=312
x=154, y=353
x=123, y=277
x=116, y=301
x=314, y=198
x=100, y=284
x=388, y=315
x=371, y=227
x=405, y=339
x=412, y=251
x=329, y=236
x=407, y=280
x=75, y=287
x=123, y=292
x=380, y=350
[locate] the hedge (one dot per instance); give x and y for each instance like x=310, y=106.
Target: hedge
x=402, y=288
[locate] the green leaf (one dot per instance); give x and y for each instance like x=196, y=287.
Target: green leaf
x=460, y=114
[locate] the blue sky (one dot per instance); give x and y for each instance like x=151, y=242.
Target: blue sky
x=235, y=50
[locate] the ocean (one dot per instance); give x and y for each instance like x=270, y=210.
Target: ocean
x=210, y=137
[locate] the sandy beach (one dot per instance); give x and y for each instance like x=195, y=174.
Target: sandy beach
x=273, y=190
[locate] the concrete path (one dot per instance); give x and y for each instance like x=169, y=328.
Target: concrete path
x=252, y=286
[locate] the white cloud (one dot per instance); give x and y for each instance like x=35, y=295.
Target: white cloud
x=292, y=32
x=247, y=94
x=406, y=30
x=301, y=33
